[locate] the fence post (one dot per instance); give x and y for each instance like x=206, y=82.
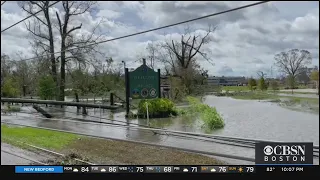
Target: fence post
x=111, y=99
x=84, y=110
x=100, y=112
x=127, y=91
x=147, y=114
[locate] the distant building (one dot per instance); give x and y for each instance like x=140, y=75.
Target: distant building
x=227, y=81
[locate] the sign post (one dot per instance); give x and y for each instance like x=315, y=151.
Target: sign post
x=127, y=91
x=142, y=83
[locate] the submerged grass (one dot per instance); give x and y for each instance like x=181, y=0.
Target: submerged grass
x=10, y=108
x=254, y=96
x=209, y=115
x=296, y=103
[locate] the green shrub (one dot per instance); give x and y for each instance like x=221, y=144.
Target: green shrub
x=160, y=107
x=212, y=118
x=10, y=88
x=13, y=108
x=47, y=88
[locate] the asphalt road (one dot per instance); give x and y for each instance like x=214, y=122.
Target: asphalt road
x=11, y=155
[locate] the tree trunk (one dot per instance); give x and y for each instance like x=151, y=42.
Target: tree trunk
x=77, y=100
x=317, y=84
x=62, y=69
x=52, y=56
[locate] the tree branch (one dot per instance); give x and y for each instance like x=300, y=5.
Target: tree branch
x=74, y=28
x=34, y=32
x=59, y=21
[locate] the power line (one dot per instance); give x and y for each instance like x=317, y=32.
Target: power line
x=3, y=2
x=146, y=31
x=155, y=29
x=26, y=18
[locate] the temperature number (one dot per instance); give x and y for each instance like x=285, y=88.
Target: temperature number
x=140, y=169
x=112, y=169
x=222, y=169
x=84, y=169
x=194, y=169
x=250, y=169
x=167, y=169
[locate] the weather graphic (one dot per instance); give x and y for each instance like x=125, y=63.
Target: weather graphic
x=135, y=93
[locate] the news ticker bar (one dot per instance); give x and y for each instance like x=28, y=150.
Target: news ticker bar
x=134, y=169
x=163, y=169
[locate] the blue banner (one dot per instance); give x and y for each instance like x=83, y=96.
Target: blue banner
x=39, y=169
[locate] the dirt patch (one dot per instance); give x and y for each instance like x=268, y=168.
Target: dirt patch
x=69, y=159
x=101, y=151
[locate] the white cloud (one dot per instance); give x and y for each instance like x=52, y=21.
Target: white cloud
x=240, y=39
x=310, y=22
x=109, y=14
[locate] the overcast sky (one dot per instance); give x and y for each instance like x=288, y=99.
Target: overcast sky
x=244, y=42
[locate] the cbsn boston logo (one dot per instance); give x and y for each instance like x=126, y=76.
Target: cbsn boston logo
x=284, y=153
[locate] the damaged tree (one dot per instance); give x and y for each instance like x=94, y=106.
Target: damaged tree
x=181, y=57
x=42, y=31
x=71, y=45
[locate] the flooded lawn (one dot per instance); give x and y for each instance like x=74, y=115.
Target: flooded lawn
x=243, y=118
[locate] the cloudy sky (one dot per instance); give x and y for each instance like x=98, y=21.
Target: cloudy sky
x=244, y=41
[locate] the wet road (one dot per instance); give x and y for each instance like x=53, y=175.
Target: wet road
x=11, y=155
x=243, y=118
x=137, y=135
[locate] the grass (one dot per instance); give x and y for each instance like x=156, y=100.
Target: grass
x=294, y=92
x=304, y=104
x=246, y=88
x=100, y=151
x=256, y=96
x=131, y=153
x=314, y=101
x=235, y=88
x=259, y=95
x=10, y=108
x=209, y=115
x=43, y=138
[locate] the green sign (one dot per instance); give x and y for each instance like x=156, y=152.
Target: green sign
x=144, y=83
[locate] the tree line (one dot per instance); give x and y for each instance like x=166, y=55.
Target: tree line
x=88, y=70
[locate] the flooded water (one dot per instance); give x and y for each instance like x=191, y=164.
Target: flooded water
x=243, y=118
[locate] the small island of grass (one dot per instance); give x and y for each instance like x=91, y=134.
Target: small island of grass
x=164, y=108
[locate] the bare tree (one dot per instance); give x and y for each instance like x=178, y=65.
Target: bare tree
x=188, y=47
x=152, y=54
x=41, y=30
x=181, y=58
x=304, y=76
x=292, y=63
x=261, y=74
x=69, y=40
